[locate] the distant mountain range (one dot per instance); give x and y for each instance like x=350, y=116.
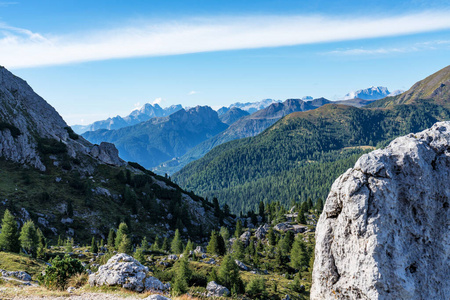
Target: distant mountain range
x=300, y=156
x=249, y=126
x=143, y=114
x=160, y=139
x=372, y=93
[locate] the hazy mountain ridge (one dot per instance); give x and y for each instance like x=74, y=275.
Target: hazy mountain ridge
x=146, y=112
x=160, y=139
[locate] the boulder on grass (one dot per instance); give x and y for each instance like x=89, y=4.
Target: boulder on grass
x=216, y=290
x=125, y=271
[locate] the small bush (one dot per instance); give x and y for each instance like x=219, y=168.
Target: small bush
x=51, y=146
x=71, y=133
x=57, y=275
x=15, y=132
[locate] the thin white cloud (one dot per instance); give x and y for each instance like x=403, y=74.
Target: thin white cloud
x=192, y=93
x=5, y=4
x=426, y=46
x=158, y=101
x=21, y=48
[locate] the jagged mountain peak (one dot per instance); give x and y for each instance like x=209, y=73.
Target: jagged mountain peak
x=371, y=93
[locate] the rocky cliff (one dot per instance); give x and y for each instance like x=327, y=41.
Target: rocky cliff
x=28, y=124
x=384, y=232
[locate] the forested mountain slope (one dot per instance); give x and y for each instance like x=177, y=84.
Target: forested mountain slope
x=301, y=155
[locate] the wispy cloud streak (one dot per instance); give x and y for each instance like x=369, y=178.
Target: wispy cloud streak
x=21, y=48
x=426, y=46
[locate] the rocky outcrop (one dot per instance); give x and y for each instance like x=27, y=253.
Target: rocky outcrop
x=123, y=270
x=383, y=233
x=216, y=290
x=107, y=153
x=27, y=122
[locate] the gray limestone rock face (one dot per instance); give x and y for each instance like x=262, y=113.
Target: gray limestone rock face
x=123, y=270
x=384, y=231
x=216, y=290
x=107, y=153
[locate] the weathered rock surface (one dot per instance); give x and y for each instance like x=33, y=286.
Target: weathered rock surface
x=216, y=290
x=384, y=232
x=262, y=231
x=124, y=270
x=107, y=153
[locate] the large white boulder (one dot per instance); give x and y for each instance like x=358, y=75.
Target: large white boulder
x=124, y=270
x=384, y=231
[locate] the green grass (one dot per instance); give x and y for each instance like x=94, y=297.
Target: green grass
x=21, y=262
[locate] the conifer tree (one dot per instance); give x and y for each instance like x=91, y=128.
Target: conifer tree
x=238, y=231
x=216, y=244
x=262, y=211
x=144, y=244
x=189, y=246
x=41, y=244
x=139, y=255
x=271, y=237
x=69, y=245
x=229, y=274
x=238, y=250
x=301, y=217
x=110, y=240
x=177, y=244
x=94, y=247
x=125, y=245
x=9, y=237
x=123, y=230
x=299, y=254
x=155, y=246
x=165, y=246
x=182, y=276
x=29, y=238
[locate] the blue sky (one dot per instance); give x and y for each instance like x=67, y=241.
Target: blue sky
x=95, y=59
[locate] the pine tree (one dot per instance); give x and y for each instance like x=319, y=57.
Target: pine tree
x=94, y=247
x=125, y=245
x=144, y=244
x=69, y=245
x=229, y=273
x=238, y=249
x=29, y=238
x=155, y=246
x=287, y=242
x=212, y=247
x=60, y=241
x=301, y=217
x=139, y=255
x=177, y=244
x=165, y=246
x=41, y=244
x=319, y=205
x=110, y=240
x=262, y=211
x=9, y=237
x=182, y=276
x=299, y=254
x=123, y=230
x=238, y=231
x=189, y=246
x=271, y=237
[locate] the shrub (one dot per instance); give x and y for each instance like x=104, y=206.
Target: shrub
x=56, y=276
x=71, y=133
x=15, y=132
x=51, y=146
